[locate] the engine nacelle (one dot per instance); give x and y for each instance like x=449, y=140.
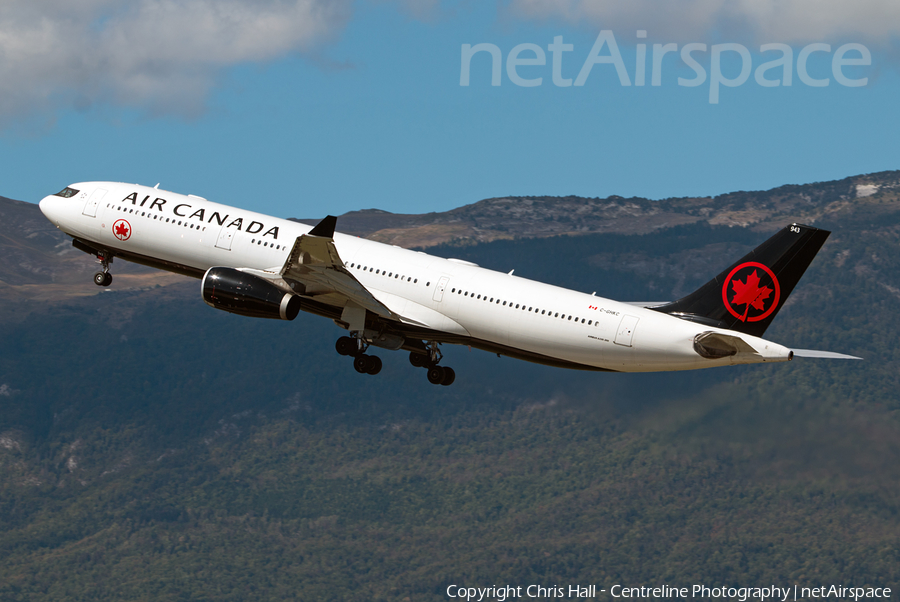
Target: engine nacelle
x=247, y=295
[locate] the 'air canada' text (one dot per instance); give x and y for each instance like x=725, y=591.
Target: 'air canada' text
x=185, y=210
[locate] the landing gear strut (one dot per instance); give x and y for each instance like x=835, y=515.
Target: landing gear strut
x=103, y=278
x=356, y=348
x=437, y=375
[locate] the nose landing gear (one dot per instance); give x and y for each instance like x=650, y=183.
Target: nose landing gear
x=103, y=278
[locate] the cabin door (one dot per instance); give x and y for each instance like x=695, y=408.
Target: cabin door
x=440, y=288
x=626, y=331
x=90, y=207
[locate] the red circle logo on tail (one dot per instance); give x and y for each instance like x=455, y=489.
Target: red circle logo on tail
x=751, y=292
x=122, y=229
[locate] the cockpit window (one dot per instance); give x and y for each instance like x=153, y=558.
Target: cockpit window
x=66, y=192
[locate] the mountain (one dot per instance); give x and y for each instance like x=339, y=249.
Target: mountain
x=153, y=447
x=526, y=217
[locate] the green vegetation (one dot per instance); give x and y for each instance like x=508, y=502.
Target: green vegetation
x=153, y=448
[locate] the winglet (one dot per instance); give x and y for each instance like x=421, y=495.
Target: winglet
x=325, y=228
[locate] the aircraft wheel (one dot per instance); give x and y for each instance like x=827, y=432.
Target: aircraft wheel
x=436, y=375
x=449, y=376
x=108, y=279
x=345, y=346
x=100, y=279
x=361, y=363
x=374, y=366
x=417, y=359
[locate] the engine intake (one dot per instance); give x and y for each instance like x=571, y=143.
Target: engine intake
x=247, y=295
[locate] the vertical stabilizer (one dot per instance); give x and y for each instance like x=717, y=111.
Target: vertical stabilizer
x=747, y=296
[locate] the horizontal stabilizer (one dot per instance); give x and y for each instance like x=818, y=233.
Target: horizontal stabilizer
x=823, y=354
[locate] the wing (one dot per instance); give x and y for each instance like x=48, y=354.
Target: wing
x=316, y=270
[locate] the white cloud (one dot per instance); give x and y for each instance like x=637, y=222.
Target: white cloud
x=161, y=56
x=872, y=22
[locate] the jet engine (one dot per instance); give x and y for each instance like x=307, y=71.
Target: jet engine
x=247, y=295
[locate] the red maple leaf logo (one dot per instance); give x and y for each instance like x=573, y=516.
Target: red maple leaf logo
x=750, y=294
x=122, y=230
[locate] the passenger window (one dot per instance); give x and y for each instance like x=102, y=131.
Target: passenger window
x=517, y=306
x=504, y=304
x=453, y=290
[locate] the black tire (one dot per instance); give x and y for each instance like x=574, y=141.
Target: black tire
x=374, y=365
x=345, y=346
x=100, y=279
x=108, y=280
x=417, y=359
x=436, y=375
x=361, y=363
x=449, y=376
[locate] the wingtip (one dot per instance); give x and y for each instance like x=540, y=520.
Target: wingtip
x=815, y=353
x=325, y=228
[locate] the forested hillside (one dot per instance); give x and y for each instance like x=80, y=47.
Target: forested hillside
x=154, y=448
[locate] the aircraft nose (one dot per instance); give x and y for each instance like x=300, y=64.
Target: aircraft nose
x=50, y=208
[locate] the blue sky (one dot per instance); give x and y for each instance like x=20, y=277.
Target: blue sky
x=363, y=108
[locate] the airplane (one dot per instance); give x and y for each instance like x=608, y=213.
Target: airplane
x=387, y=297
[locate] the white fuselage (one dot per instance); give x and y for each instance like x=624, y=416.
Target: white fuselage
x=444, y=295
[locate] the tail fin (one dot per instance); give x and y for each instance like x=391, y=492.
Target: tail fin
x=747, y=296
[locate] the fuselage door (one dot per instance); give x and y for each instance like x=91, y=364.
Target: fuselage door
x=90, y=207
x=226, y=235
x=440, y=288
x=626, y=330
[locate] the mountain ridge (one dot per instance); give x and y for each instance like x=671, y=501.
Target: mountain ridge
x=40, y=263
x=539, y=216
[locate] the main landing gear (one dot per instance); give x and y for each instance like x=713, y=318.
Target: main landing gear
x=356, y=348
x=103, y=278
x=369, y=364
x=437, y=375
